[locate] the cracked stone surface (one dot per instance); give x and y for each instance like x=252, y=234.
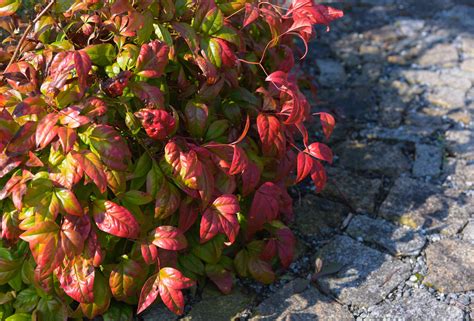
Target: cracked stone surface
x=366, y=275
x=377, y=157
x=418, y=306
x=417, y=204
x=450, y=266
x=316, y=216
x=359, y=191
x=298, y=301
x=427, y=160
x=223, y=307
x=398, y=240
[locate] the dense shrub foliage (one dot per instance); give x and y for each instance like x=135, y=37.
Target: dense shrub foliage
x=146, y=147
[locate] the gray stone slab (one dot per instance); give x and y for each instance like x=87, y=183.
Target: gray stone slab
x=460, y=173
x=427, y=160
x=331, y=72
x=316, y=216
x=443, y=55
x=398, y=240
x=158, y=312
x=366, y=276
x=410, y=134
x=297, y=301
x=421, y=205
x=450, y=266
x=359, y=191
x=468, y=231
x=447, y=97
x=461, y=142
x=374, y=157
x=216, y=306
x=420, y=305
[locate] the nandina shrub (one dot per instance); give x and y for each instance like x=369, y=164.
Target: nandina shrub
x=147, y=147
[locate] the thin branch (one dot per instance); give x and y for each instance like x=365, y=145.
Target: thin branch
x=27, y=31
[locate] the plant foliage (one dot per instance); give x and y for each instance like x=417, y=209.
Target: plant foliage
x=146, y=147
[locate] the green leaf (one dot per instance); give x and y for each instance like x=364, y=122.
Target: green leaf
x=144, y=33
x=9, y=7
x=137, y=197
x=127, y=58
x=213, y=22
x=6, y=297
x=118, y=312
x=213, y=51
x=229, y=35
x=26, y=300
x=102, y=54
x=8, y=269
x=69, y=202
x=19, y=317
x=163, y=34
x=192, y=263
x=211, y=251
x=51, y=309
x=217, y=129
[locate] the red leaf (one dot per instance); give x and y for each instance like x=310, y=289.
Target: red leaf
x=265, y=206
x=173, y=299
x=172, y=282
x=83, y=64
x=221, y=217
x=168, y=283
x=149, y=292
x=250, y=178
x=167, y=201
x=286, y=246
x=92, y=166
x=111, y=147
x=270, y=250
x=149, y=94
x=43, y=239
x=74, y=230
x=271, y=135
x=318, y=175
x=67, y=138
x=239, y=161
x=77, y=279
x=115, y=219
x=222, y=280
x=125, y=278
x=157, y=123
x=251, y=14
x=279, y=78
x=114, y=87
x=69, y=202
x=187, y=215
x=169, y=238
x=23, y=140
x=149, y=253
x=172, y=278
x=328, y=122
x=152, y=60
x=304, y=165
x=320, y=151
x=33, y=161
x=229, y=59
x=46, y=130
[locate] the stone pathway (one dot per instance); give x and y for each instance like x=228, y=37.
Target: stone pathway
x=395, y=225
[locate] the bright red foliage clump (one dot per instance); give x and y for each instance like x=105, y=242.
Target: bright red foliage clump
x=146, y=146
